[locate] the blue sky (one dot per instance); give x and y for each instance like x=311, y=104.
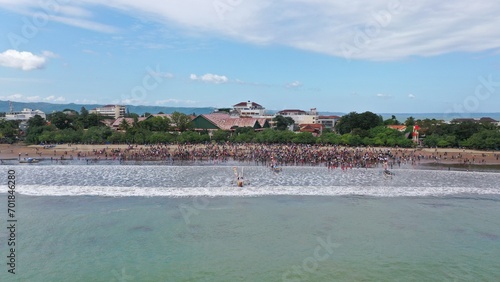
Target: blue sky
x=400, y=56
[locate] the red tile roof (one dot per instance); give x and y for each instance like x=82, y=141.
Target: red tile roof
x=244, y=104
x=328, y=117
x=487, y=119
x=398, y=127
x=262, y=121
x=169, y=116
x=292, y=111
x=311, y=127
x=130, y=121
x=227, y=122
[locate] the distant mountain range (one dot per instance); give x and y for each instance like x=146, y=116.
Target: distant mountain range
x=49, y=108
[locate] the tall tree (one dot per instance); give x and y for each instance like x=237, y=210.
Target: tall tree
x=84, y=112
x=181, y=121
x=124, y=125
x=36, y=121
x=353, y=120
x=392, y=121
x=156, y=123
x=60, y=120
x=410, y=121
x=282, y=123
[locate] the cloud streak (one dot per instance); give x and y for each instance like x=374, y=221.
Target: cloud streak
x=175, y=101
x=294, y=84
x=384, y=96
x=210, y=78
x=22, y=98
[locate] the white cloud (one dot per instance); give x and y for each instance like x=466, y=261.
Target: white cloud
x=33, y=98
x=48, y=54
x=73, y=11
x=294, y=84
x=23, y=60
x=54, y=99
x=85, y=101
x=15, y=97
x=131, y=102
x=162, y=74
x=23, y=80
x=210, y=78
x=356, y=29
x=66, y=12
x=384, y=96
x=411, y=96
x=91, y=52
x=85, y=24
x=175, y=101
x=376, y=30
x=22, y=98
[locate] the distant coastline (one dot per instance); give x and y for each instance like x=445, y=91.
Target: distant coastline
x=441, y=116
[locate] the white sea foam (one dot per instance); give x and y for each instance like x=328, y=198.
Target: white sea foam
x=215, y=181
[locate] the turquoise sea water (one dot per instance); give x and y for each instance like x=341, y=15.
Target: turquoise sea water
x=158, y=223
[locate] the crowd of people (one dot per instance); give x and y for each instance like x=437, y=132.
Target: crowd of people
x=331, y=156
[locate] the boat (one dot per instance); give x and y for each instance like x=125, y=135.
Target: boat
x=29, y=161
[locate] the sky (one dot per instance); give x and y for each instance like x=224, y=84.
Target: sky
x=383, y=56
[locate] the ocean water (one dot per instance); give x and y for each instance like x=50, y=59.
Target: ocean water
x=191, y=223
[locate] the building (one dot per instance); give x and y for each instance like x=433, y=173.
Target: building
x=293, y=112
x=481, y=120
x=400, y=128
x=223, y=121
x=24, y=115
x=249, y=109
x=130, y=121
x=488, y=120
x=460, y=120
x=315, y=128
x=301, y=117
x=328, y=121
x=116, y=111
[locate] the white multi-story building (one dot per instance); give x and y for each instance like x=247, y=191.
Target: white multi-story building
x=249, y=109
x=328, y=121
x=24, y=115
x=116, y=111
x=300, y=116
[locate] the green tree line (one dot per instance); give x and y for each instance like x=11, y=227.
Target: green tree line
x=353, y=129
